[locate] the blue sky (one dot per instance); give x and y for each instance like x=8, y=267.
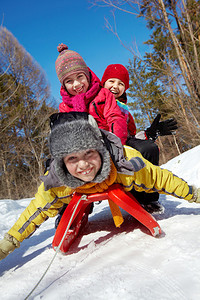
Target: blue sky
x=40, y=26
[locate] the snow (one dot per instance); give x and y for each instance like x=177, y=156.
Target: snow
x=109, y=263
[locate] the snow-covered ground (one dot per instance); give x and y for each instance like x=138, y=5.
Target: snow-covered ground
x=110, y=263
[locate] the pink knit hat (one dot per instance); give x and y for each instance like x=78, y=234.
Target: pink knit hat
x=116, y=71
x=69, y=62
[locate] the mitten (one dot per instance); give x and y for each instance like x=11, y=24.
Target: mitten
x=196, y=195
x=162, y=128
x=8, y=245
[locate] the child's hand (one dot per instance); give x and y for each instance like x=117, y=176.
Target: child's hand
x=162, y=128
x=196, y=195
x=8, y=245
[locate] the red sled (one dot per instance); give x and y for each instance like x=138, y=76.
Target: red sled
x=75, y=216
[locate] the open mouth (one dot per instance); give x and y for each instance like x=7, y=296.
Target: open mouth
x=86, y=172
x=114, y=92
x=79, y=90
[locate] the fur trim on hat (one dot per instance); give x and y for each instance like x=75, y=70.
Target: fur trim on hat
x=76, y=136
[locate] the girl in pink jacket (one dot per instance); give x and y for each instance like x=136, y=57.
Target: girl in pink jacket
x=81, y=91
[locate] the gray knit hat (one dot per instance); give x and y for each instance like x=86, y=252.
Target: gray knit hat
x=76, y=132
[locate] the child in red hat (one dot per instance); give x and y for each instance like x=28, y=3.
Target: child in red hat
x=116, y=80
x=81, y=91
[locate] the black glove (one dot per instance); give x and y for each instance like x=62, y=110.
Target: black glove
x=162, y=128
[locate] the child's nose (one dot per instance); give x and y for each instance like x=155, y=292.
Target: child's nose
x=83, y=164
x=76, y=83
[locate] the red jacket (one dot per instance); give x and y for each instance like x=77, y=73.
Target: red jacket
x=103, y=107
x=122, y=103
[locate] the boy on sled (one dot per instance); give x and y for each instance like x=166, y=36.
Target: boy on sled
x=88, y=160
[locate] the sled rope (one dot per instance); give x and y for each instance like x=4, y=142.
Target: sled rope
x=83, y=197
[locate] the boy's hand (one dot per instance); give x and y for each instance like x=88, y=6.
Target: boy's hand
x=162, y=128
x=8, y=245
x=196, y=195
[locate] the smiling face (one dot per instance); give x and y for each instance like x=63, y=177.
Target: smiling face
x=116, y=86
x=76, y=83
x=83, y=165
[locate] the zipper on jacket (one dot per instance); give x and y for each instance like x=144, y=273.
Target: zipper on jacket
x=95, y=109
x=101, y=102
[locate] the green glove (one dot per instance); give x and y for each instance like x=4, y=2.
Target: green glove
x=196, y=195
x=8, y=245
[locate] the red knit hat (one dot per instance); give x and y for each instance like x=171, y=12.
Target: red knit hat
x=69, y=62
x=116, y=71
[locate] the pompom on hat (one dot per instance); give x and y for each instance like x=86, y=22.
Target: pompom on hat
x=116, y=71
x=68, y=63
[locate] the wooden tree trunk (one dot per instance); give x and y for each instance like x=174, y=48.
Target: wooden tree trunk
x=7, y=179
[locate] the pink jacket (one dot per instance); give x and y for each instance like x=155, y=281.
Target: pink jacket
x=101, y=104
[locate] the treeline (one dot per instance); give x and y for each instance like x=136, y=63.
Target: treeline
x=24, y=127
x=167, y=78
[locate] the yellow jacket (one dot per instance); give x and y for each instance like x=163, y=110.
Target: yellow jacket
x=147, y=177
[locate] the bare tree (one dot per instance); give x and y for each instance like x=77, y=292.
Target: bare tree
x=174, y=60
x=24, y=93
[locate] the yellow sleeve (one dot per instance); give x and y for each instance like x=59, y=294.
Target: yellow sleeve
x=46, y=204
x=151, y=178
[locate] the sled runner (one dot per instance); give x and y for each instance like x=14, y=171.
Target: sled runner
x=83, y=204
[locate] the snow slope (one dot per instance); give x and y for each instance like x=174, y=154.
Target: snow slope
x=110, y=263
